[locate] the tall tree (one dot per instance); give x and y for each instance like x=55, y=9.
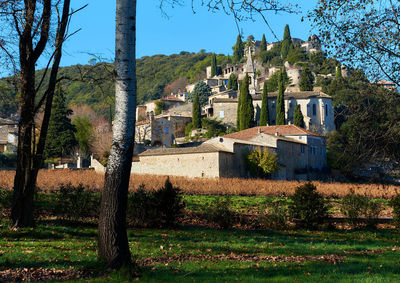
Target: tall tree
x=61, y=132
x=363, y=34
x=213, y=65
x=113, y=241
x=233, y=82
x=306, y=80
x=30, y=22
x=196, y=112
x=263, y=44
x=280, y=101
x=287, y=43
x=338, y=73
x=238, y=50
x=298, y=118
x=264, y=115
x=246, y=119
x=113, y=246
x=84, y=134
x=203, y=90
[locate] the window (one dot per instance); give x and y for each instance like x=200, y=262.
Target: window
x=166, y=130
x=326, y=110
x=221, y=114
x=314, y=109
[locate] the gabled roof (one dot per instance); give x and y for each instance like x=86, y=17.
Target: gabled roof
x=282, y=130
x=203, y=148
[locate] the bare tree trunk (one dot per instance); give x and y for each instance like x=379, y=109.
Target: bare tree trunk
x=113, y=239
x=29, y=159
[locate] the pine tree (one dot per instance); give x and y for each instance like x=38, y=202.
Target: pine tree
x=213, y=65
x=246, y=119
x=298, y=119
x=264, y=116
x=287, y=43
x=233, y=82
x=61, y=132
x=196, y=112
x=238, y=50
x=306, y=80
x=280, y=106
x=263, y=45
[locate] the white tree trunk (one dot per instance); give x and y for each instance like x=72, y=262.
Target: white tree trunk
x=113, y=240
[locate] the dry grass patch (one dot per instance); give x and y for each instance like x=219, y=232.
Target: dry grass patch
x=50, y=180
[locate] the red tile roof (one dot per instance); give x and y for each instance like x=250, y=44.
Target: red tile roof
x=282, y=130
x=172, y=98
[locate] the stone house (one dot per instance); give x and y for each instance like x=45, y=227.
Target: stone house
x=317, y=109
x=159, y=131
x=8, y=135
x=224, y=156
x=143, y=111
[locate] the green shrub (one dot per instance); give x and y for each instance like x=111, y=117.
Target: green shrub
x=8, y=160
x=308, y=207
x=74, y=203
x=274, y=215
x=395, y=204
x=5, y=200
x=161, y=208
x=220, y=213
x=360, y=209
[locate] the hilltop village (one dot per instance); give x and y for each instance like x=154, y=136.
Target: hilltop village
x=266, y=111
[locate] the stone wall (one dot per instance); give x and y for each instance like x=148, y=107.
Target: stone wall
x=188, y=165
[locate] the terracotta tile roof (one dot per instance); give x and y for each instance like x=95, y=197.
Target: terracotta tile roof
x=172, y=98
x=143, y=122
x=283, y=130
x=385, y=82
x=203, y=148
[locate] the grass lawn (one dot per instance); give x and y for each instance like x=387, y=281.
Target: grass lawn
x=192, y=254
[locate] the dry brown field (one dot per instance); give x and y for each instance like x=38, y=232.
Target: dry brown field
x=50, y=180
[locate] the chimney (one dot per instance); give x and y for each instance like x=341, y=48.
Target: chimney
x=276, y=133
x=259, y=131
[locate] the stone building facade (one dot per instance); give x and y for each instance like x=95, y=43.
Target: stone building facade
x=299, y=153
x=317, y=109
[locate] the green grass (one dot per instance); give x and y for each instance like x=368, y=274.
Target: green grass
x=54, y=244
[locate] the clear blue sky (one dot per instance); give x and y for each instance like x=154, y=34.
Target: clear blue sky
x=181, y=31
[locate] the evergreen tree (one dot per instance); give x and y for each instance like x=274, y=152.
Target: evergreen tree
x=246, y=119
x=298, y=119
x=203, y=90
x=338, y=72
x=280, y=106
x=213, y=65
x=263, y=45
x=233, y=82
x=84, y=133
x=306, y=80
x=287, y=43
x=61, y=132
x=264, y=116
x=238, y=50
x=196, y=112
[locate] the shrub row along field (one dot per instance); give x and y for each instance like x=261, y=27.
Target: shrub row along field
x=51, y=180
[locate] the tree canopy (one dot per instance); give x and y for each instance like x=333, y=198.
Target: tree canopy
x=203, y=90
x=306, y=82
x=264, y=115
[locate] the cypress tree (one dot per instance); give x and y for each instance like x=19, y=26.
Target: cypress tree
x=298, y=119
x=233, y=82
x=246, y=119
x=263, y=45
x=196, y=112
x=238, y=50
x=287, y=43
x=306, y=80
x=264, y=116
x=280, y=106
x=338, y=74
x=61, y=132
x=213, y=65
